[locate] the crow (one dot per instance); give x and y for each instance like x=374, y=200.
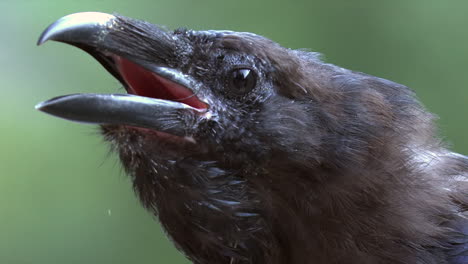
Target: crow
x=249, y=152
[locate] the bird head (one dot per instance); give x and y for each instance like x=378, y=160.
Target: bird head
x=228, y=95
x=236, y=143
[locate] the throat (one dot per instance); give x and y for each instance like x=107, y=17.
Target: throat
x=208, y=211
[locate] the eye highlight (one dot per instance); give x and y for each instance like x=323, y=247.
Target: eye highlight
x=242, y=80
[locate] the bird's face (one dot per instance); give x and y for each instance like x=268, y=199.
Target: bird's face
x=205, y=111
x=222, y=88
x=207, y=117
x=212, y=94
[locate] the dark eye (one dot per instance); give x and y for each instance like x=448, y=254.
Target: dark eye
x=242, y=80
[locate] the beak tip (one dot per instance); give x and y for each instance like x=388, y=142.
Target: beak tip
x=76, y=27
x=42, y=39
x=43, y=107
x=48, y=33
x=50, y=105
x=39, y=106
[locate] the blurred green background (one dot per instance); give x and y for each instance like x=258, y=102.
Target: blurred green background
x=63, y=197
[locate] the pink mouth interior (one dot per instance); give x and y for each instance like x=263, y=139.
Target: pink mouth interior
x=146, y=83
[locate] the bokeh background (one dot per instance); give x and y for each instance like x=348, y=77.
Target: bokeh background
x=63, y=197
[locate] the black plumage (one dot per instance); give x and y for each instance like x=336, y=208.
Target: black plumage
x=280, y=157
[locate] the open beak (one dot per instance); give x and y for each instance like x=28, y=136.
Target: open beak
x=159, y=97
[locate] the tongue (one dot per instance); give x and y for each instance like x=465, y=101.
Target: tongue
x=146, y=83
